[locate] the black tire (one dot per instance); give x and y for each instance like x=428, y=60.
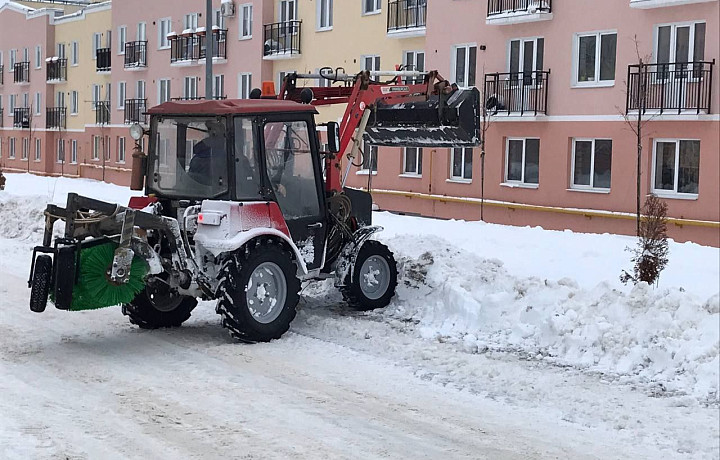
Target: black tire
x=353, y=292
x=157, y=307
x=41, y=283
x=233, y=292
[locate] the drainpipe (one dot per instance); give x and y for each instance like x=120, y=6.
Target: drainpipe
x=209, y=47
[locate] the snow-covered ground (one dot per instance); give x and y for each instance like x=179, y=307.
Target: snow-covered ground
x=502, y=342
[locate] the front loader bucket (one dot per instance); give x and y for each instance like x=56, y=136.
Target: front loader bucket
x=439, y=122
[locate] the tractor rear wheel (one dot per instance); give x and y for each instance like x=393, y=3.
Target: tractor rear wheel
x=157, y=306
x=41, y=283
x=258, y=292
x=374, y=278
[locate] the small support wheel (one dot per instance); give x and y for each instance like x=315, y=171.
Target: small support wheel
x=258, y=292
x=374, y=278
x=159, y=306
x=41, y=283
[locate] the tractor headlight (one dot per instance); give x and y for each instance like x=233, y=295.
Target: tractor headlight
x=136, y=131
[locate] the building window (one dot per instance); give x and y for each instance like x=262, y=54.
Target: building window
x=163, y=90
x=190, y=88
x=461, y=167
x=96, y=95
x=74, y=53
x=244, y=85
x=141, y=31
x=523, y=161
x=38, y=153
x=218, y=19
x=680, y=43
x=13, y=103
x=25, y=148
x=106, y=147
x=281, y=77
x=60, y=153
x=246, y=12
x=324, y=14
x=164, y=27
x=97, y=147
x=121, y=95
x=11, y=148
x=526, y=55
x=595, y=63
x=122, y=38
x=219, y=86
x=121, y=150
x=190, y=21
x=38, y=103
x=464, y=62
x=676, y=166
x=97, y=44
x=591, y=163
x=414, y=60
x=140, y=89
x=371, y=62
x=369, y=158
x=413, y=161
x=38, y=56
x=73, y=151
x=13, y=58
x=371, y=6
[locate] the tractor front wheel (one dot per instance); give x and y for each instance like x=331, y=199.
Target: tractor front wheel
x=158, y=306
x=373, y=279
x=258, y=292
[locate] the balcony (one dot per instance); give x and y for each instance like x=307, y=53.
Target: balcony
x=136, y=55
x=21, y=72
x=135, y=111
x=672, y=88
x=56, y=70
x=220, y=49
x=102, y=112
x=2, y=74
x=517, y=94
x=196, y=98
x=646, y=4
x=504, y=12
x=102, y=60
x=282, y=40
x=406, y=18
x=21, y=117
x=55, y=118
x=184, y=49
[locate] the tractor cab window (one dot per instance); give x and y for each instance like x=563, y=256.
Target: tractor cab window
x=247, y=172
x=189, y=157
x=290, y=168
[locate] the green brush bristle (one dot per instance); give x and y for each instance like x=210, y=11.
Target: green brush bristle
x=93, y=289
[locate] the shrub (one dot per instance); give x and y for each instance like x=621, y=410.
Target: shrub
x=651, y=254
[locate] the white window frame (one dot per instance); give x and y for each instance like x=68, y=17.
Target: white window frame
x=141, y=32
x=121, y=150
x=674, y=192
x=140, y=90
x=60, y=151
x=38, y=149
x=418, y=162
x=246, y=18
x=461, y=178
x=74, y=51
x=453, y=63
x=374, y=61
x=324, y=14
x=377, y=4
x=96, y=44
x=96, y=96
x=38, y=103
x=190, y=87
x=122, y=94
x=122, y=39
x=190, y=21
x=163, y=93
x=11, y=148
x=673, y=41
x=218, y=86
x=13, y=59
x=164, y=26
x=597, y=83
x=414, y=64
x=522, y=182
x=244, y=89
x=25, y=154
x=592, y=185
x=38, y=56
x=60, y=50
x=73, y=151
x=96, y=147
x=74, y=102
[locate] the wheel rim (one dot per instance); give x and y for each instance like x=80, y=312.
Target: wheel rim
x=266, y=292
x=161, y=297
x=374, y=277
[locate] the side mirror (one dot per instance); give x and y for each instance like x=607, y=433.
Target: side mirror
x=333, y=136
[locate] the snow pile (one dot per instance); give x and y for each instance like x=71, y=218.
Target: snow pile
x=22, y=217
x=664, y=339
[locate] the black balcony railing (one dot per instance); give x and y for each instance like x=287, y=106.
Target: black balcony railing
x=21, y=72
x=57, y=70
x=518, y=6
x=135, y=111
x=184, y=48
x=220, y=42
x=21, y=117
x=136, y=54
x=2, y=74
x=282, y=38
x=517, y=93
x=673, y=87
x=55, y=118
x=196, y=98
x=102, y=112
x=406, y=14
x=102, y=60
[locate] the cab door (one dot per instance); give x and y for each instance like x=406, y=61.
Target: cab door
x=294, y=180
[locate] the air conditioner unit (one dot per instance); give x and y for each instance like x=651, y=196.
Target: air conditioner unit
x=227, y=9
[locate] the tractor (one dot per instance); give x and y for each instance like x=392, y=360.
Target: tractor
x=243, y=202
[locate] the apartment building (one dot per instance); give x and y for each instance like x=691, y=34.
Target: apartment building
x=561, y=83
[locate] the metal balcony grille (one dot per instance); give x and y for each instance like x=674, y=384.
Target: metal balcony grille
x=220, y=42
x=135, y=111
x=406, y=14
x=21, y=117
x=55, y=118
x=517, y=93
x=102, y=112
x=678, y=87
x=2, y=74
x=518, y=6
x=102, y=60
x=184, y=48
x=196, y=98
x=2, y=117
x=21, y=72
x=136, y=54
x=57, y=70
x=282, y=38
